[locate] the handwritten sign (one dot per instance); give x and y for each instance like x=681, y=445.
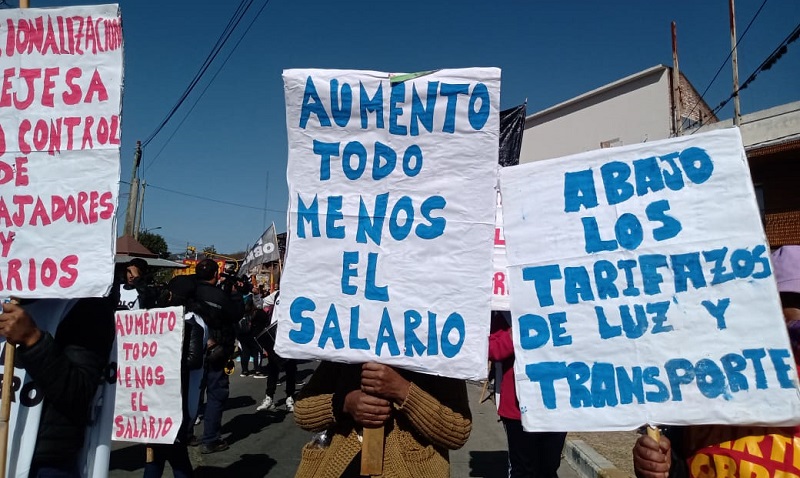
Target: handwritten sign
x=148, y=404
x=59, y=149
x=500, y=297
x=391, y=217
x=643, y=290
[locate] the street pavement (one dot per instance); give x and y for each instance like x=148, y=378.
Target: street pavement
x=269, y=443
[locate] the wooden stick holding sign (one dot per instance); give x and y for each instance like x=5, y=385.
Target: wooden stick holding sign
x=5, y=400
x=372, y=452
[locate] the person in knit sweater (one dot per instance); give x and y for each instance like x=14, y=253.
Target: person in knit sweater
x=423, y=417
x=530, y=454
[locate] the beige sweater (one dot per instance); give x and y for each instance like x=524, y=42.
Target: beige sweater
x=435, y=418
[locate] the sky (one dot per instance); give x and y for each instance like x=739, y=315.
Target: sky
x=216, y=172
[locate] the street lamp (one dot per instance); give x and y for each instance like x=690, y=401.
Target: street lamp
x=152, y=229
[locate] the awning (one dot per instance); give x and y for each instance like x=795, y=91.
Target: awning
x=151, y=261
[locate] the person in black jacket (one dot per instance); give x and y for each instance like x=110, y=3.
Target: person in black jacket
x=181, y=291
x=66, y=366
x=133, y=290
x=221, y=323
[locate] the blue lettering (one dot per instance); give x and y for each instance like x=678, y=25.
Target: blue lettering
x=451, y=91
x=628, y=231
x=604, y=390
x=307, y=213
x=542, y=276
x=306, y=332
x=604, y=276
x=579, y=191
x=433, y=343
x=369, y=105
x=386, y=153
x=661, y=394
x=546, y=373
x=670, y=226
x=591, y=235
x=758, y=256
x=312, y=104
x=673, y=179
x=577, y=285
x=710, y=379
x=733, y=365
x=397, y=230
x=630, y=386
x=398, y=96
x=349, y=259
x=659, y=309
x=334, y=214
x=436, y=225
x=679, y=371
x=578, y=374
x=627, y=265
x=412, y=152
x=354, y=148
x=755, y=356
x=331, y=330
x=615, y=180
x=371, y=224
x=537, y=324
x=648, y=176
x=371, y=291
x=341, y=111
x=386, y=336
x=356, y=342
x=696, y=164
x=414, y=345
x=606, y=330
x=718, y=311
x=718, y=256
x=423, y=114
x=633, y=328
x=742, y=263
x=325, y=151
x=779, y=357
x=455, y=322
x=687, y=267
x=477, y=119
x=651, y=278
x=557, y=321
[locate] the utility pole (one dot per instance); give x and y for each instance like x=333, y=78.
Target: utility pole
x=137, y=224
x=676, y=83
x=737, y=116
x=130, y=214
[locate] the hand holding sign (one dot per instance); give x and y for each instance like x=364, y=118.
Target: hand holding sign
x=367, y=410
x=17, y=326
x=651, y=458
x=384, y=381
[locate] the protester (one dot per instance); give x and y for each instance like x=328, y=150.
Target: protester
x=733, y=450
x=530, y=454
x=266, y=340
x=424, y=417
x=221, y=322
x=134, y=293
x=66, y=367
x=181, y=292
x=247, y=343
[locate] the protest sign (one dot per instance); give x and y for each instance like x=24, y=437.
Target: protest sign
x=391, y=216
x=59, y=149
x=148, y=405
x=500, y=298
x=643, y=290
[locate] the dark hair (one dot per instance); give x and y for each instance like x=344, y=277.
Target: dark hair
x=139, y=263
x=206, y=269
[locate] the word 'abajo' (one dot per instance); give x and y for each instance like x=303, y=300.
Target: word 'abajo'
x=602, y=384
x=420, y=112
x=430, y=342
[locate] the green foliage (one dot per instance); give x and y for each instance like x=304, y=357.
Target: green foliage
x=155, y=243
x=210, y=249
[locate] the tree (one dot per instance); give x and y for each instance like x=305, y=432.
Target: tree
x=155, y=243
x=208, y=250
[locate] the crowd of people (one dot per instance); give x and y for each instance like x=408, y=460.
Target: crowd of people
x=65, y=344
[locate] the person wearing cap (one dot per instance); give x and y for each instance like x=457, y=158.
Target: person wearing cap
x=708, y=451
x=134, y=293
x=181, y=292
x=221, y=321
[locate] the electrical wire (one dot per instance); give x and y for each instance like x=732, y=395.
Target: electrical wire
x=725, y=62
x=210, y=82
x=218, y=201
x=220, y=43
x=768, y=63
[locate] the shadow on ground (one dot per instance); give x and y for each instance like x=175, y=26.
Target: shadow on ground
x=486, y=463
x=248, y=466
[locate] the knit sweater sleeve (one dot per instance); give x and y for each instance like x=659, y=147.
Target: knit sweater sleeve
x=313, y=409
x=441, y=414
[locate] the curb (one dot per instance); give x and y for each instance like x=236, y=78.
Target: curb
x=588, y=463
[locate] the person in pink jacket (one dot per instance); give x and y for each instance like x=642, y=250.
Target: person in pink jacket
x=530, y=454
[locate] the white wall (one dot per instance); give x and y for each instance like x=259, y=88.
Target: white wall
x=633, y=111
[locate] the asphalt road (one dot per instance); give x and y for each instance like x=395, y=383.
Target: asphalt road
x=269, y=443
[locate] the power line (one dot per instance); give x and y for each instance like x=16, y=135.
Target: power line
x=210, y=82
x=725, y=62
x=219, y=201
x=223, y=38
x=768, y=63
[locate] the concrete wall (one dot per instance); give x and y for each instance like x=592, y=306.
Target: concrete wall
x=630, y=111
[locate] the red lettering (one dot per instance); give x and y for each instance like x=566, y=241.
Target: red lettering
x=83, y=198
x=27, y=74
x=13, y=275
x=50, y=39
x=20, y=163
x=73, y=97
x=31, y=274
x=114, y=130
x=39, y=214
x=24, y=127
x=10, y=38
x=47, y=92
x=159, y=375
x=102, y=131
x=87, y=133
x=55, y=137
x=6, y=239
x=96, y=86
x=68, y=267
x=40, y=133
x=71, y=122
x=21, y=200
x=108, y=205
x=49, y=272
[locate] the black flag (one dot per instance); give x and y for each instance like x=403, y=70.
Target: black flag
x=512, y=125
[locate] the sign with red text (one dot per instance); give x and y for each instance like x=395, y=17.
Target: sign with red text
x=643, y=290
x=391, y=216
x=59, y=149
x=148, y=405
x=500, y=298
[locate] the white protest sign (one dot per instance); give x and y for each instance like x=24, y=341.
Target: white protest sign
x=59, y=149
x=391, y=217
x=148, y=405
x=643, y=290
x=500, y=298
